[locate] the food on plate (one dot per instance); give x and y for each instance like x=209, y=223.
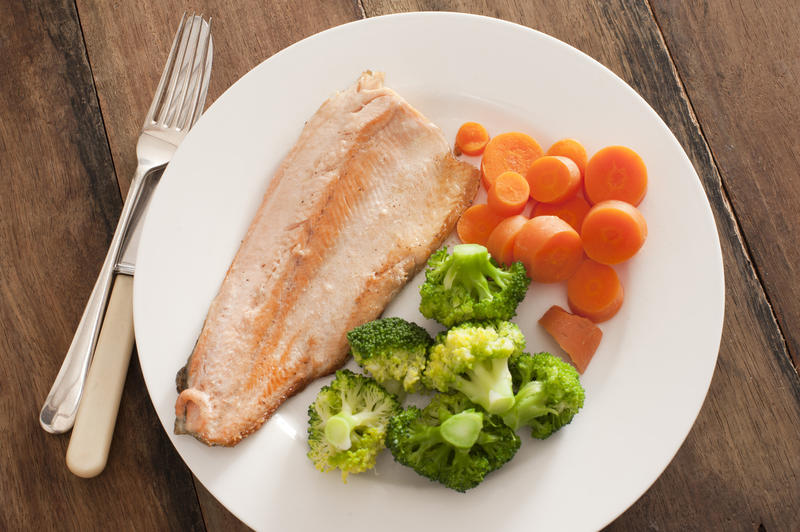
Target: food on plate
x=513, y=151
x=471, y=139
x=467, y=285
x=472, y=358
x=550, y=249
x=477, y=223
x=347, y=423
x=553, y=179
x=548, y=394
x=570, y=148
x=615, y=173
x=369, y=190
x=451, y=441
x=501, y=239
x=613, y=231
x=571, y=211
x=509, y=194
x=393, y=351
x=594, y=291
x=576, y=335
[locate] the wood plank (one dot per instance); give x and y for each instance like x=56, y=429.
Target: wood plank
x=742, y=74
x=127, y=45
x=740, y=466
x=58, y=208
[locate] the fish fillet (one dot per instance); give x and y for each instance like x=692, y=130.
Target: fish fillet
x=369, y=190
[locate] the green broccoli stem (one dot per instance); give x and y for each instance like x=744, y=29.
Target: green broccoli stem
x=469, y=266
x=489, y=385
x=462, y=430
x=339, y=428
x=529, y=403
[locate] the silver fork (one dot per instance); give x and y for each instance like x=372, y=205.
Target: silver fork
x=177, y=104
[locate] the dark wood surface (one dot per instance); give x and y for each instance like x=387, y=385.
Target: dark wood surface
x=76, y=79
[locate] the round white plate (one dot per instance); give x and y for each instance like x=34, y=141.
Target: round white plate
x=647, y=381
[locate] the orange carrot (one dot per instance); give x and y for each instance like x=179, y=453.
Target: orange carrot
x=613, y=231
x=594, y=291
x=553, y=179
x=471, y=138
x=509, y=195
x=571, y=211
x=477, y=223
x=508, y=151
x=577, y=336
x=570, y=148
x=615, y=173
x=501, y=241
x=549, y=248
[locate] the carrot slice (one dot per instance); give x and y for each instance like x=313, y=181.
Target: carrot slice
x=570, y=148
x=613, y=231
x=501, y=240
x=471, y=138
x=553, y=179
x=615, y=173
x=571, y=211
x=549, y=248
x=594, y=291
x=509, y=195
x=477, y=223
x=513, y=151
x=576, y=335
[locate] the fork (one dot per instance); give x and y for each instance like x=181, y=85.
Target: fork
x=176, y=106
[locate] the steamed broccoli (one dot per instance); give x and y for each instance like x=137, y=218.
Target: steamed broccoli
x=393, y=350
x=472, y=358
x=451, y=441
x=468, y=285
x=347, y=423
x=549, y=394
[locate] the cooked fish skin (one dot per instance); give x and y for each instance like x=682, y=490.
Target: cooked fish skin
x=367, y=193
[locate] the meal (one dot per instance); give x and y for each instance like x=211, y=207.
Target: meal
x=368, y=192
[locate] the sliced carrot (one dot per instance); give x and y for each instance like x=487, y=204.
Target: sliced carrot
x=513, y=151
x=501, y=241
x=576, y=335
x=471, y=138
x=549, y=248
x=571, y=211
x=570, y=148
x=477, y=223
x=615, y=173
x=509, y=195
x=594, y=291
x=553, y=179
x=613, y=231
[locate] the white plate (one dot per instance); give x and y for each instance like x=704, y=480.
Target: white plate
x=647, y=381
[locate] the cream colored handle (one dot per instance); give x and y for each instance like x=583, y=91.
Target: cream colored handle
x=97, y=414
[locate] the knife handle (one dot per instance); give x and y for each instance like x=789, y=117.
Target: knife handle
x=97, y=414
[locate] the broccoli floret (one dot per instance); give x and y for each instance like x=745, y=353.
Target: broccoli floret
x=451, y=441
x=472, y=358
x=548, y=394
x=393, y=350
x=469, y=285
x=347, y=423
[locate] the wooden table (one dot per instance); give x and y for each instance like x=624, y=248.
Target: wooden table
x=76, y=78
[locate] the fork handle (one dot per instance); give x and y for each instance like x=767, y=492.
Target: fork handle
x=58, y=413
x=90, y=440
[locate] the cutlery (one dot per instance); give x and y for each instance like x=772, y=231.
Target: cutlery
x=177, y=104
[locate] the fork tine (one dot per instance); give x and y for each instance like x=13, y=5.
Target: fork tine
x=201, y=81
x=176, y=105
x=183, y=109
x=165, y=75
x=169, y=94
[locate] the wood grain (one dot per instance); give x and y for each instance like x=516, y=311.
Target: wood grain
x=740, y=466
x=58, y=209
x=743, y=74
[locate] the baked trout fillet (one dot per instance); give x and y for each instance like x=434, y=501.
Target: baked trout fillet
x=367, y=193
